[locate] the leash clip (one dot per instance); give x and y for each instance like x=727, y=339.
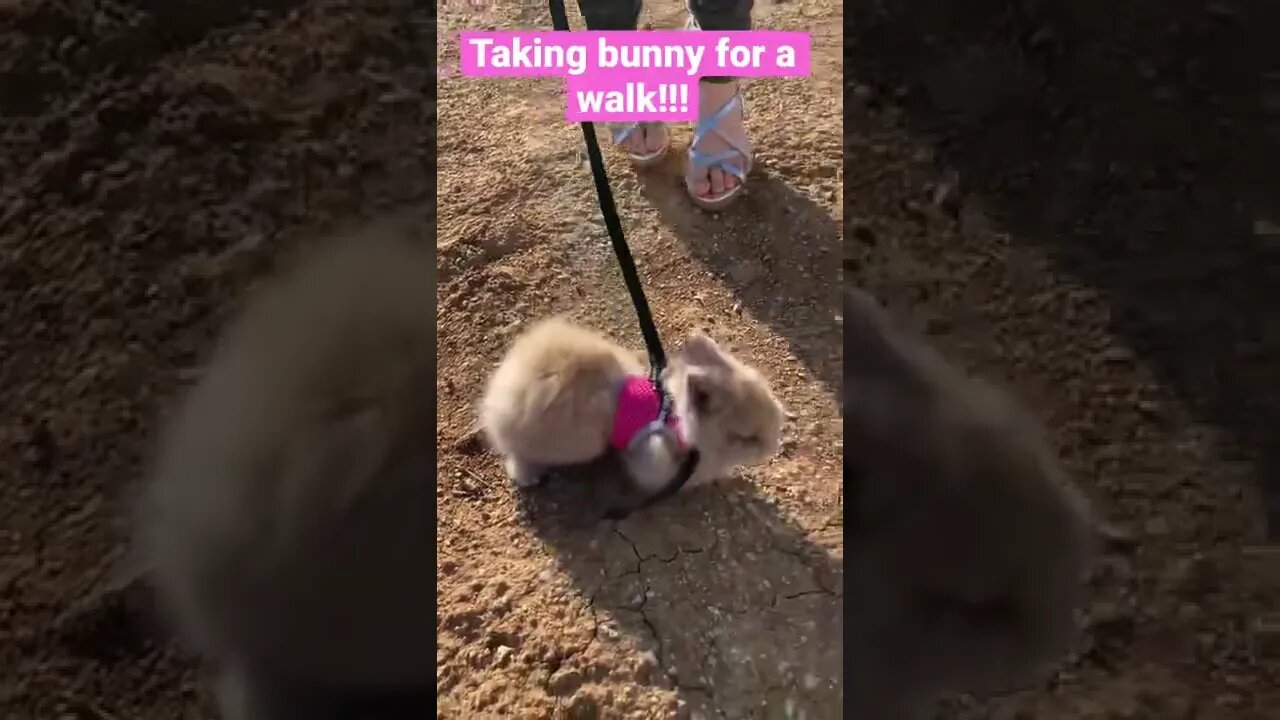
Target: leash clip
x=657, y=428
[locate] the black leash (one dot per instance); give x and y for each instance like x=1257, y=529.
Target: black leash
x=653, y=344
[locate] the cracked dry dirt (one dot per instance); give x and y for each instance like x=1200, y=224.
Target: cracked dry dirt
x=725, y=603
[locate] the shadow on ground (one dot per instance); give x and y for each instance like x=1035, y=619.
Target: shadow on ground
x=778, y=252
x=1139, y=143
x=739, y=609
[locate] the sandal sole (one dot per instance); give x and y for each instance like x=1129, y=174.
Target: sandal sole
x=644, y=161
x=717, y=203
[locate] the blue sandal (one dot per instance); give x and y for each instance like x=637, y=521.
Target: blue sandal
x=735, y=161
x=623, y=131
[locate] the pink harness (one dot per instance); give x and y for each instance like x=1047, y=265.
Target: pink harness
x=638, y=405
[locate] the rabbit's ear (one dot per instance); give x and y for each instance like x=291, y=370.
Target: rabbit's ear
x=700, y=349
x=704, y=390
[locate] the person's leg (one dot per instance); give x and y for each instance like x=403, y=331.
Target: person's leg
x=722, y=15
x=645, y=139
x=729, y=137
x=610, y=14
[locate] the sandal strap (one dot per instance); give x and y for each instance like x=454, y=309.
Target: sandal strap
x=737, y=148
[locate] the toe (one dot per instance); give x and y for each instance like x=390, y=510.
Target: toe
x=701, y=186
x=717, y=181
x=655, y=137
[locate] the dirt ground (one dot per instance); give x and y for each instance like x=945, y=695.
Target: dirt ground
x=719, y=605
x=154, y=157
x=1079, y=199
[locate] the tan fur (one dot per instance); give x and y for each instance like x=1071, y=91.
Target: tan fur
x=729, y=410
x=968, y=546
x=288, y=519
x=552, y=400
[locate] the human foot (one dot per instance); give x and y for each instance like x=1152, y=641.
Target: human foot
x=719, y=154
x=644, y=142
